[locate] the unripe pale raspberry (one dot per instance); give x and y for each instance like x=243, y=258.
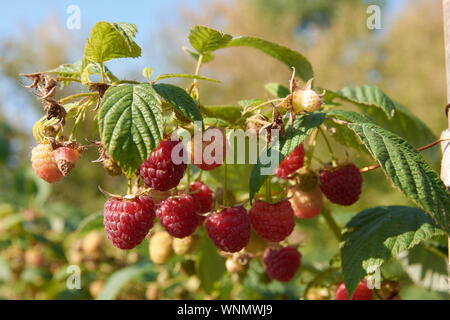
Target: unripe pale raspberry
x=44, y=163
x=184, y=245
x=112, y=168
x=160, y=247
x=362, y=292
x=291, y=163
x=272, y=222
x=66, y=159
x=341, y=185
x=202, y=195
x=229, y=229
x=281, y=264
x=233, y=266
x=159, y=171
x=306, y=204
x=306, y=100
x=177, y=215
x=127, y=222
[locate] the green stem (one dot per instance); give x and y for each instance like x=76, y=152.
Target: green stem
x=188, y=175
x=77, y=121
x=68, y=79
x=313, y=143
x=125, y=81
x=332, y=223
x=333, y=158
x=79, y=95
x=225, y=184
x=130, y=187
x=268, y=190
x=102, y=71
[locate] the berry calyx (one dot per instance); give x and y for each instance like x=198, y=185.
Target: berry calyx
x=272, y=222
x=306, y=204
x=177, y=215
x=159, y=171
x=229, y=229
x=66, y=158
x=306, y=99
x=341, y=185
x=44, y=163
x=291, y=163
x=127, y=222
x=307, y=180
x=202, y=195
x=208, y=150
x=362, y=292
x=282, y=264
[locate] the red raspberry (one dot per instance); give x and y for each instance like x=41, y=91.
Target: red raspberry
x=44, y=163
x=341, y=185
x=229, y=229
x=127, y=222
x=177, y=215
x=282, y=264
x=362, y=292
x=272, y=222
x=158, y=171
x=202, y=196
x=66, y=159
x=207, y=159
x=291, y=163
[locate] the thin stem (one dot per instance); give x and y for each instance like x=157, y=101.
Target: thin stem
x=130, y=187
x=332, y=223
x=68, y=79
x=225, y=184
x=197, y=71
x=79, y=95
x=125, y=81
x=102, y=71
x=261, y=105
x=312, y=144
x=188, y=175
x=268, y=190
x=333, y=158
x=376, y=166
x=77, y=121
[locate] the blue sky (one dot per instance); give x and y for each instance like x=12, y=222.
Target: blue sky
x=147, y=15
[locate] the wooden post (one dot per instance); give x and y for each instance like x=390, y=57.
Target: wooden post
x=445, y=146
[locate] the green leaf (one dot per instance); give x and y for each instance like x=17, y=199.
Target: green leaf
x=343, y=135
x=180, y=100
x=304, y=125
x=147, y=73
x=109, y=41
x=130, y=124
x=207, y=57
x=368, y=96
x=230, y=113
x=377, y=234
x=76, y=69
x=427, y=267
x=289, y=57
x=119, y=278
x=407, y=169
x=182, y=75
x=210, y=265
x=277, y=90
x=407, y=125
x=205, y=40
